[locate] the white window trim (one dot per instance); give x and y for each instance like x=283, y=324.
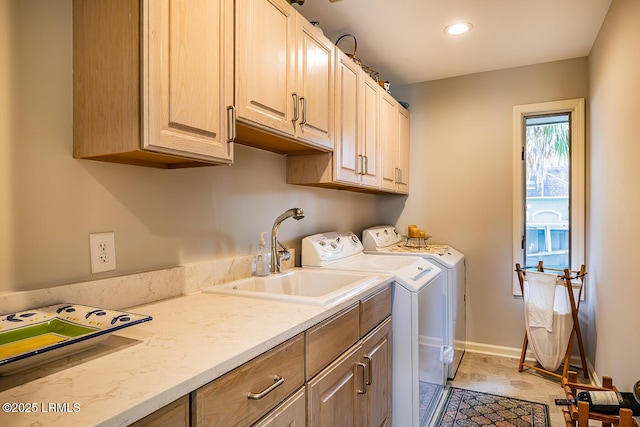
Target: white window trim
x=577, y=208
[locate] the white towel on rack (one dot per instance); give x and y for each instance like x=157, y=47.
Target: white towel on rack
x=540, y=292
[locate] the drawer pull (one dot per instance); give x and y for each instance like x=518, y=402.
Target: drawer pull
x=257, y=396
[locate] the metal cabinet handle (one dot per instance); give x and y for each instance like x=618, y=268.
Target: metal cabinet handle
x=296, y=109
x=369, y=370
x=278, y=381
x=364, y=383
x=398, y=176
x=304, y=110
x=231, y=123
x=366, y=165
x=361, y=159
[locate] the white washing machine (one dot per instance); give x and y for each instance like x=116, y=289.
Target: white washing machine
x=418, y=320
x=385, y=239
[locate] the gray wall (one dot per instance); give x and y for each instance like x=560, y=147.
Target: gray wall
x=161, y=218
x=462, y=180
x=614, y=209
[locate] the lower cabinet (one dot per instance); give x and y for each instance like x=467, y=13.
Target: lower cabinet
x=337, y=373
x=355, y=390
x=175, y=414
x=241, y=397
x=290, y=413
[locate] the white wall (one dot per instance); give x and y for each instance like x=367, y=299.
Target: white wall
x=614, y=248
x=161, y=218
x=461, y=178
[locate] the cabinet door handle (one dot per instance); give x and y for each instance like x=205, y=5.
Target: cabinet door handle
x=398, y=176
x=231, y=123
x=278, y=381
x=366, y=165
x=361, y=159
x=369, y=370
x=364, y=383
x=296, y=109
x=304, y=110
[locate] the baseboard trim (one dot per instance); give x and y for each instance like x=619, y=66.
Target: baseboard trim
x=514, y=353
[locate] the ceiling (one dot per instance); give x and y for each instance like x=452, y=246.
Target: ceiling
x=405, y=42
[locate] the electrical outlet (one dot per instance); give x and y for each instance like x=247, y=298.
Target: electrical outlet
x=103, y=252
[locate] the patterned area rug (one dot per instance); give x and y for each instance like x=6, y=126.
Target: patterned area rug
x=473, y=408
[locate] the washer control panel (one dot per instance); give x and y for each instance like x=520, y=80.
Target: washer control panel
x=380, y=237
x=321, y=249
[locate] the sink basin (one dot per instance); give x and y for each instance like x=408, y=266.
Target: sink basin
x=313, y=287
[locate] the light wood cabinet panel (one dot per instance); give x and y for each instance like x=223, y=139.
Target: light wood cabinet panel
x=333, y=399
x=388, y=141
x=290, y=413
x=315, y=85
x=347, y=159
x=175, y=414
x=355, y=162
x=394, y=136
x=374, y=309
x=284, y=79
x=355, y=389
x=330, y=338
x=225, y=401
x=134, y=102
x=376, y=349
x=187, y=51
x=403, y=151
x=370, y=135
x=266, y=67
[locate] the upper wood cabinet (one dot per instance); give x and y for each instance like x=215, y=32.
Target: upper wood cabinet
x=153, y=81
x=284, y=79
x=402, y=183
x=356, y=155
x=394, y=137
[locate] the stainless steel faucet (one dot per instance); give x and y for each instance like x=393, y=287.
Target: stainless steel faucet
x=277, y=256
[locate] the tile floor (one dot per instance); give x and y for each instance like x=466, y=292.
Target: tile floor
x=499, y=375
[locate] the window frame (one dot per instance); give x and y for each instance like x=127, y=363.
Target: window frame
x=577, y=187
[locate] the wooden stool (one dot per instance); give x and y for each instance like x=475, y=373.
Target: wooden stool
x=579, y=415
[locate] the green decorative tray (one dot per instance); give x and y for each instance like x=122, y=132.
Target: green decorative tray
x=40, y=335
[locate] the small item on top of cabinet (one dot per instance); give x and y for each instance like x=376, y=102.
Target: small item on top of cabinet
x=263, y=258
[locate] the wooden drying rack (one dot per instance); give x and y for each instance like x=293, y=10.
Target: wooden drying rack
x=575, y=332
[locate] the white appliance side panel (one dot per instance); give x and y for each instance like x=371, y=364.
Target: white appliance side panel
x=432, y=327
x=404, y=379
x=456, y=309
x=460, y=319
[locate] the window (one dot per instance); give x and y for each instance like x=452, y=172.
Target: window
x=549, y=185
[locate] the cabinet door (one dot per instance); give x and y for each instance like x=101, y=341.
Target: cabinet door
x=370, y=141
x=314, y=85
x=188, y=77
x=265, y=63
x=290, y=413
x=388, y=141
x=402, y=185
x=348, y=160
x=376, y=348
x=333, y=397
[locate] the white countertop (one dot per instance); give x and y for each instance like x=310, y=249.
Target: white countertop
x=192, y=340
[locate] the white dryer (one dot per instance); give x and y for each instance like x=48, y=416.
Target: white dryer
x=384, y=239
x=417, y=325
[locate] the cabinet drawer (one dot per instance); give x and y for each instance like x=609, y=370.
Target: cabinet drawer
x=225, y=401
x=330, y=338
x=374, y=310
x=175, y=414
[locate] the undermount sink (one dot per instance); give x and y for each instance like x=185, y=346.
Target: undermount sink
x=313, y=287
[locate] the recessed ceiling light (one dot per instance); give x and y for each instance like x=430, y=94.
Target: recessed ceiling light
x=458, y=28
